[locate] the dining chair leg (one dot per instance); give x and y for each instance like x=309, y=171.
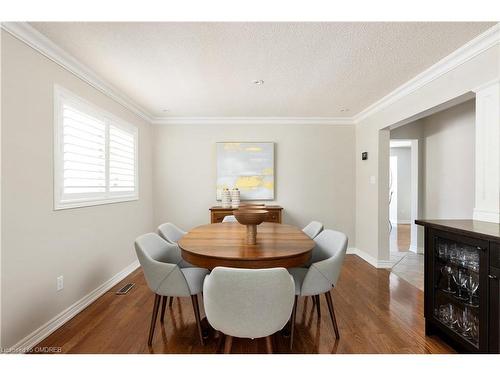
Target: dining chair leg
x=332, y=314
x=269, y=344
x=156, y=306
x=227, y=344
x=171, y=301
x=196, y=308
x=292, y=322
x=163, y=305
x=318, y=307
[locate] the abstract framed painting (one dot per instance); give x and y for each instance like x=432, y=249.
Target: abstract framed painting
x=248, y=166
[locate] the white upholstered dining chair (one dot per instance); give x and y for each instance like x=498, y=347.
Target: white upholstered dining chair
x=248, y=303
x=160, y=263
x=171, y=232
x=229, y=219
x=323, y=273
x=313, y=229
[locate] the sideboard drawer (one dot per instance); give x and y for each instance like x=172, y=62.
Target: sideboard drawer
x=218, y=213
x=218, y=216
x=273, y=217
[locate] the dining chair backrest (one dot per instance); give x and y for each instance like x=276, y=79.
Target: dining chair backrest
x=170, y=232
x=327, y=259
x=229, y=219
x=249, y=303
x=313, y=229
x=159, y=261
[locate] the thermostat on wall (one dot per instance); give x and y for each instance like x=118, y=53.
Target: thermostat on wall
x=364, y=156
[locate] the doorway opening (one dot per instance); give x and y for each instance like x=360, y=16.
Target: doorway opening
x=442, y=145
x=403, y=195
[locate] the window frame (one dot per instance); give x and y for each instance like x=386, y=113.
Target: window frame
x=62, y=96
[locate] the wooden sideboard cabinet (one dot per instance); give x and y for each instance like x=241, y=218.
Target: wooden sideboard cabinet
x=217, y=214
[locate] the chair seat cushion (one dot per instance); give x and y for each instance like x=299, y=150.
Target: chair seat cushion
x=298, y=275
x=195, y=277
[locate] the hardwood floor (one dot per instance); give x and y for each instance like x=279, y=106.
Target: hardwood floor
x=377, y=312
x=400, y=237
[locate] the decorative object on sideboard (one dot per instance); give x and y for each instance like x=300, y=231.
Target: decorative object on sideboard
x=226, y=198
x=235, y=198
x=251, y=218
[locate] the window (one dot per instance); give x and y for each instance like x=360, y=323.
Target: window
x=95, y=154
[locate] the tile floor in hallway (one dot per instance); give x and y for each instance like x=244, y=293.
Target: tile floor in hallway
x=407, y=265
x=411, y=268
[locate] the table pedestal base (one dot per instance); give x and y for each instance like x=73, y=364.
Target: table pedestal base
x=251, y=234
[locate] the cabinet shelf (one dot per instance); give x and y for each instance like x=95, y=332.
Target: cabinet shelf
x=452, y=298
x=452, y=332
x=447, y=262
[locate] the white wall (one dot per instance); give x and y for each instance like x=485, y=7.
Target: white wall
x=403, y=155
x=86, y=245
x=314, y=172
x=449, y=147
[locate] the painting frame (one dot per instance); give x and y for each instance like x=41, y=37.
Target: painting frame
x=265, y=188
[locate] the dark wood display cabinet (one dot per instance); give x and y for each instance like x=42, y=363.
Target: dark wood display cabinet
x=462, y=291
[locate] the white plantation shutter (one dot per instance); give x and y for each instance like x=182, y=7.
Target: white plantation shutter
x=95, y=155
x=121, y=160
x=84, y=154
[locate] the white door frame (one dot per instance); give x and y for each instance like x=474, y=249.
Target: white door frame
x=416, y=239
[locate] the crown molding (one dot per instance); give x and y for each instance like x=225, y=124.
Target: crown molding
x=39, y=42
x=253, y=121
x=471, y=49
x=36, y=40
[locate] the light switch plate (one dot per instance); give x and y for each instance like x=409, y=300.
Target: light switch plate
x=60, y=283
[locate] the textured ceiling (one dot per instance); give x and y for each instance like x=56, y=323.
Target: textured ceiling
x=309, y=69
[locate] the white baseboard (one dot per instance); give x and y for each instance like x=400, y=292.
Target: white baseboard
x=45, y=330
x=416, y=250
x=368, y=258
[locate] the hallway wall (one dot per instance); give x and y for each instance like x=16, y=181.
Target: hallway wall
x=447, y=141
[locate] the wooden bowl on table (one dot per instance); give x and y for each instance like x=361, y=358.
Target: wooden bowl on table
x=250, y=218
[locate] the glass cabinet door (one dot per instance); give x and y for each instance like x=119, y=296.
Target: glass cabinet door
x=457, y=287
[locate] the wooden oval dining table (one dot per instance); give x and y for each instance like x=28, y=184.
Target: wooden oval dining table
x=224, y=244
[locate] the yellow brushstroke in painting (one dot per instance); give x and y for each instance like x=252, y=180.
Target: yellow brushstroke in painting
x=248, y=182
x=268, y=185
